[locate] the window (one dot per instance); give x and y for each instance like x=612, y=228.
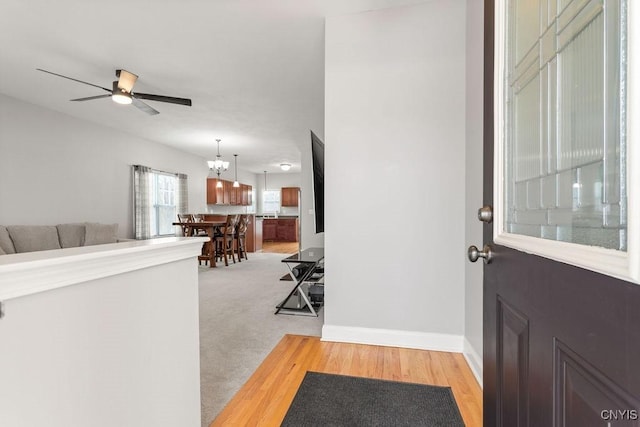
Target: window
x=163, y=207
x=158, y=198
x=271, y=201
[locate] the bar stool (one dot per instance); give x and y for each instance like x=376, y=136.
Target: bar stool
x=241, y=234
x=224, y=240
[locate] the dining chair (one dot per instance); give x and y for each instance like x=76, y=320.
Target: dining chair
x=224, y=239
x=198, y=231
x=185, y=218
x=240, y=238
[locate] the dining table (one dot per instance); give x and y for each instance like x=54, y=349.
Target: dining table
x=193, y=228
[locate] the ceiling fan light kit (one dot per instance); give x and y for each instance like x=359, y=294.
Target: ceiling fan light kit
x=122, y=92
x=122, y=98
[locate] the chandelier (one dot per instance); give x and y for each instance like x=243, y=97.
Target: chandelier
x=218, y=165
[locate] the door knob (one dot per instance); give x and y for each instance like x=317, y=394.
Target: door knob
x=474, y=253
x=485, y=214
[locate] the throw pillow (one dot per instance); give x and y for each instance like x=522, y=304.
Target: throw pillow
x=31, y=238
x=98, y=234
x=71, y=235
x=5, y=241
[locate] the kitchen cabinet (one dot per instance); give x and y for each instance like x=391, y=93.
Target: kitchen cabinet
x=228, y=186
x=287, y=230
x=280, y=230
x=289, y=196
x=228, y=194
x=244, y=194
x=235, y=196
x=215, y=195
x=269, y=227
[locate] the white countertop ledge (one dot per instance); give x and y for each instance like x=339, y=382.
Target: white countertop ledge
x=32, y=272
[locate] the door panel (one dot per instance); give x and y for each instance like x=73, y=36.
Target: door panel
x=561, y=343
x=581, y=391
x=513, y=346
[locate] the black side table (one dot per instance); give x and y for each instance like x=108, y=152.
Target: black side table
x=302, y=267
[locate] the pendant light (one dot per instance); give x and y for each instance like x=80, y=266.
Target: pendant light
x=265, y=180
x=218, y=165
x=235, y=159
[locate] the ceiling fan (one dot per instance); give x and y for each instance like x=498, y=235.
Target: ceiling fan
x=122, y=92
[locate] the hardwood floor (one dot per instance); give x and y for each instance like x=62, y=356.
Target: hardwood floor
x=280, y=247
x=266, y=396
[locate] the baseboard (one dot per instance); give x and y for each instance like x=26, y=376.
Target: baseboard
x=474, y=360
x=393, y=338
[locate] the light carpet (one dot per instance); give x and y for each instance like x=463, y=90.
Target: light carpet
x=237, y=326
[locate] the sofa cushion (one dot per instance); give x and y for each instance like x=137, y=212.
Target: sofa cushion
x=31, y=238
x=71, y=235
x=98, y=234
x=5, y=241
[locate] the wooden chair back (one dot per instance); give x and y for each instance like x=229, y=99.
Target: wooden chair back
x=185, y=217
x=243, y=224
x=230, y=225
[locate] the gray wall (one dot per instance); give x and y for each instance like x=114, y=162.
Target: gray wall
x=55, y=168
x=395, y=141
x=275, y=181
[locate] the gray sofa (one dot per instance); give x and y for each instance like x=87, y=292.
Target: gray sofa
x=31, y=238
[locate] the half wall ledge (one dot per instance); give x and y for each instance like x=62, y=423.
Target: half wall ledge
x=32, y=272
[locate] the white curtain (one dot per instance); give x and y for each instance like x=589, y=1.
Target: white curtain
x=183, y=194
x=142, y=201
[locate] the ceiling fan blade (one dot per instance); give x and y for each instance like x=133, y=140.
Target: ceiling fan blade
x=126, y=80
x=75, y=80
x=145, y=107
x=89, y=98
x=162, y=98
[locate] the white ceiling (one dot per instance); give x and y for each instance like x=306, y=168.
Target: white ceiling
x=253, y=68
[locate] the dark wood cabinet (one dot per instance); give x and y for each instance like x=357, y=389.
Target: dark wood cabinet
x=289, y=196
x=235, y=195
x=228, y=194
x=215, y=195
x=245, y=191
x=269, y=227
x=280, y=229
x=228, y=186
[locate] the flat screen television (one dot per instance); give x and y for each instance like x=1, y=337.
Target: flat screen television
x=317, y=157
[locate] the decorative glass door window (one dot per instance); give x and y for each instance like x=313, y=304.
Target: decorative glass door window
x=565, y=139
x=562, y=130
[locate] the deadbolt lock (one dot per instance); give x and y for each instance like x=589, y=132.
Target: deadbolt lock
x=485, y=214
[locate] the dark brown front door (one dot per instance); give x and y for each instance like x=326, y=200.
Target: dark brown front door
x=561, y=343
